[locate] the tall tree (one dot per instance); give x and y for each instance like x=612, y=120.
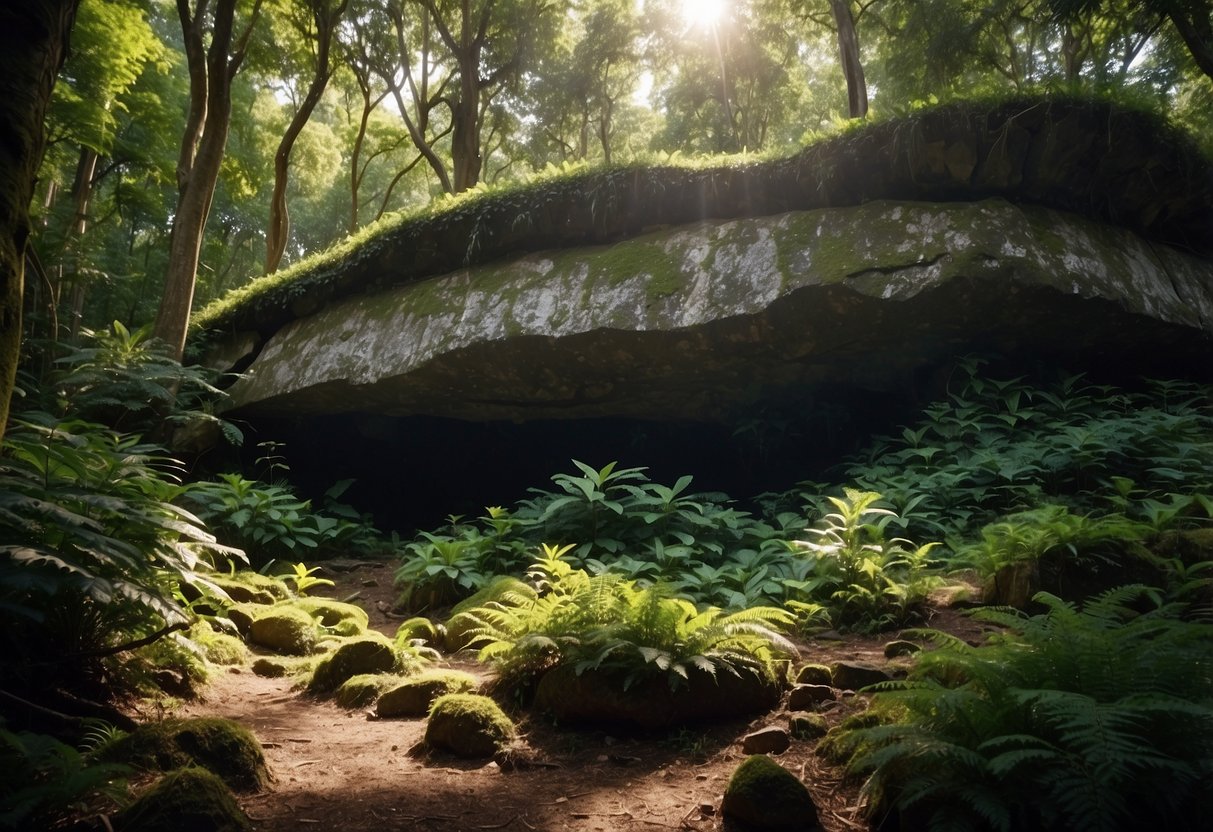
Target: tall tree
x=1192, y=19
x=33, y=45
x=212, y=68
x=848, y=56
x=315, y=24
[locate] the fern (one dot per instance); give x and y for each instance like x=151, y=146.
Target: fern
x=1089, y=719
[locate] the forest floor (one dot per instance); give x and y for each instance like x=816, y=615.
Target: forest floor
x=343, y=771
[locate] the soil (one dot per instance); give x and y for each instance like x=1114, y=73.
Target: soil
x=336, y=769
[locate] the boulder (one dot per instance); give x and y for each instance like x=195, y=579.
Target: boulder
x=687, y=323
x=806, y=697
x=415, y=696
x=769, y=740
x=468, y=725
x=857, y=675
x=807, y=726
x=813, y=674
x=367, y=654
x=186, y=800
x=900, y=647
x=766, y=797
x=225, y=748
x=284, y=629
x=362, y=690
x=332, y=613
x=602, y=697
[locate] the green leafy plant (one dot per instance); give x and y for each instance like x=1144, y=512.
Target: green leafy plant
x=47, y=781
x=303, y=579
x=267, y=521
x=569, y=617
x=1097, y=718
x=868, y=582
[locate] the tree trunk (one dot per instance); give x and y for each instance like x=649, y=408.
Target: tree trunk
x=33, y=44
x=848, y=54
x=201, y=156
x=1194, y=22
x=279, y=228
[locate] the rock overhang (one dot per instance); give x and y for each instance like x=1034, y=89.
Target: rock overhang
x=701, y=321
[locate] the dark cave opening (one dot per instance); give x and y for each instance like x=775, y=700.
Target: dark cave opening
x=411, y=472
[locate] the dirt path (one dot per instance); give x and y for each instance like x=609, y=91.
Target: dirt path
x=339, y=770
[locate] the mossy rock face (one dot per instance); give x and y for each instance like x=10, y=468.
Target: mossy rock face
x=814, y=674
x=764, y=795
x=807, y=726
x=263, y=583
x=286, y=630
x=468, y=725
x=601, y=697
x=362, y=690
x=187, y=800
x=221, y=746
x=415, y=696
x=332, y=613
x=368, y=654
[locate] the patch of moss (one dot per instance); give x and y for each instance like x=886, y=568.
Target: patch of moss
x=244, y=592
x=372, y=653
x=241, y=616
x=765, y=795
x=270, y=668
x=285, y=629
x=415, y=696
x=839, y=745
x=223, y=649
x=186, y=800
x=814, y=674
x=332, y=613
x=221, y=746
x=362, y=690
x=468, y=725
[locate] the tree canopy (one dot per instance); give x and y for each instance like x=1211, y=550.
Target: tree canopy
x=338, y=112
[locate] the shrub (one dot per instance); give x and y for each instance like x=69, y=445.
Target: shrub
x=1092, y=719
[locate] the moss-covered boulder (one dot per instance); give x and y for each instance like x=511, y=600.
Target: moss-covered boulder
x=371, y=653
x=420, y=630
x=764, y=795
x=334, y=614
x=606, y=697
x=468, y=725
x=251, y=591
x=363, y=689
x=285, y=629
x=241, y=616
x=814, y=674
x=220, y=648
x=415, y=696
x=222, y=746
x=270, y=668
x=186, y=800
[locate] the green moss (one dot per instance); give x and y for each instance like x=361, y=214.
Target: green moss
x=187, y=800
x=460, y=623
x=270, y=668
x=331, y=613
x=415, y=696
x=223, y=649
x=814, y=674
x=468, y=725
x=221, y=746
x=764, y=794
x=362, y=690
x=807, y=726
x=372, y=653
x=285, y=629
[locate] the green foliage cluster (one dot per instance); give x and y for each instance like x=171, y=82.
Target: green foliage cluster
x=47, y=781
x=269, y=521
x=567, y=617
x=1088, y=719
x=997, y=447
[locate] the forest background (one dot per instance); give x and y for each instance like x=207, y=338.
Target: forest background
x=198, y=145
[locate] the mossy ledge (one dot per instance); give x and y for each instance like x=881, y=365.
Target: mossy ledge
x=1116, y=164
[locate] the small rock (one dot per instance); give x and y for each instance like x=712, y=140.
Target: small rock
x=707, y=810
x=829, y=635
x=857, y=675
x=813, y=674
x=806, y=697
x=370, y=582
x=769, y=740
x=806, y=726
x=764, y=795
x=900, y=648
